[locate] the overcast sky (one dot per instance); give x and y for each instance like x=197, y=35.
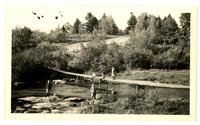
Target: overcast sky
x=23, y=16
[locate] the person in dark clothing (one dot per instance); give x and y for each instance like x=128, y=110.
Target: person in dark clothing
x=102, y=79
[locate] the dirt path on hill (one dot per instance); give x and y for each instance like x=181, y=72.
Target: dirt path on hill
x=121, y=40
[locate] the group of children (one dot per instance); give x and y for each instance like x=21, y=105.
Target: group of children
x=92, y=89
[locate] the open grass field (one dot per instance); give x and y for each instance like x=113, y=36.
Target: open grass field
x=181, y=77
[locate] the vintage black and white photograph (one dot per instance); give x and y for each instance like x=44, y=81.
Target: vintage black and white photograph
x=100, y=60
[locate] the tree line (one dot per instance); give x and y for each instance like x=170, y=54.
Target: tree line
x=154, y=43
x=105, y=24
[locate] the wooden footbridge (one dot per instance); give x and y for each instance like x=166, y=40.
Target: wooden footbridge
x=134, y=82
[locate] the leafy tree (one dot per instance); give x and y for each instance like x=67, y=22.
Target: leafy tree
x=167, y=59
x=142, y=22
x=52, y=36
x=102, y=23
x=68, y=28
x=82, y=28
x=111, y=57
x=58, y=36
x=50, y=56
x=107, y=25
x=131, y=22
x=32, y=65
x=92, y=22
x=144, y=39
x=76, y=25
x=89, y=57
x=37, y=37
x=21, y=39
x=62, y=37
x=152, y=24
x=137, y=57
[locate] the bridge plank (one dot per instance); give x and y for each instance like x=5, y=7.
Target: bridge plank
x=135, y=82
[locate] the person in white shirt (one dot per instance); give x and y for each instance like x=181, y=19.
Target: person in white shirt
x=113, y=75
x=93, y=92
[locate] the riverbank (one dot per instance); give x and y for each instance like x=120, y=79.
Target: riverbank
x=74, y=98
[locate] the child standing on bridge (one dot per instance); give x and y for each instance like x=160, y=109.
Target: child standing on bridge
x=102, y=79
x=93, y=76
x=113, y=73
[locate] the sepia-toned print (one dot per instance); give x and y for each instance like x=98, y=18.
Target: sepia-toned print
x=101, y=60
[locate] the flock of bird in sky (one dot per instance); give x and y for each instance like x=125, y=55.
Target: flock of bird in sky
x=42, y=16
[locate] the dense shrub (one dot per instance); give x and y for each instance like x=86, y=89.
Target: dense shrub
x=33, y=65
x=24, y=38
x=51, y=55
x=58, y=36
x=98, y=56
x=21, y=39
x=89, y=55
x=137, y=58
x=112, y=57
x=159, y=43
x=25, y=69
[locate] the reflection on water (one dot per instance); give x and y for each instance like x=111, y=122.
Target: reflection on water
x=121, y=90
x=110, y=98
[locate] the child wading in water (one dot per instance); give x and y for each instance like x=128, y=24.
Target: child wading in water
x=113, y=76
x=48, y=88
x=93, y=92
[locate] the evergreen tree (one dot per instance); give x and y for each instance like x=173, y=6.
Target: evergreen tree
x=76, y=25
x=158, y=24
x=185, y=28
x=169, y=30
x=184, y=41
x=131, y=22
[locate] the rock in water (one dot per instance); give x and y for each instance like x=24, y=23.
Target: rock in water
x=55, y=111
x=74, y=99
x=41, y=105
x=113, y=92
x=45, y=111
x=27, y=105
x=98, y=96
x=20, y=109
